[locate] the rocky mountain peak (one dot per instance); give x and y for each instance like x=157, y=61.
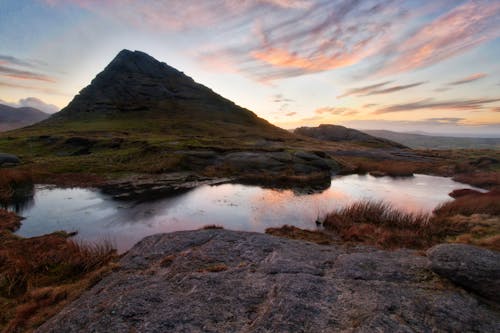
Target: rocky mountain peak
x=136, y=82
x=138, y=62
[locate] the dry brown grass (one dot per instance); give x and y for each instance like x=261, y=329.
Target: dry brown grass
x=487, y=180
x=212, y=226
x=39, y=274
x=11, y=181
x=378, y=223
x=215, y=268
x=292, y=232
x=9, y=221
x=473, y=203
x=473, y=219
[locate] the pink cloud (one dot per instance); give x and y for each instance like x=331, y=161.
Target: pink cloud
x=455, y=32
x=468, y=79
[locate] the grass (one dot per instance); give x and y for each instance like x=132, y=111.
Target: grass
x=384, y=168
x=292, y=232
x=39, y=275
x=378, y=223
x=473, y=218
x=9, y=221
x=473, y=203
x=211, y=226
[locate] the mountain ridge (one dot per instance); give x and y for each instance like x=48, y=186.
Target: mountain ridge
x=330, y=132
x=13, y=118
x=430, y=141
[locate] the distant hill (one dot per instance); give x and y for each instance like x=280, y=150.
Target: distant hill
x=420, y=141
x=12, y=118
x=327, y=132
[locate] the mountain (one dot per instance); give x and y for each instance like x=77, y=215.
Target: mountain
x=12, y=118
x=140, y=115
x=421, y=141
x=138, y=88
x=328, y=132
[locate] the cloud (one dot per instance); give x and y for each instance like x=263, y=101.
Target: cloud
x=34, y=88
x=9, y=67
x=279, y=98
x=33, y=102
x=468, y=79
x=455, y=32
x=290, y=114
x=341, y=33
x=363, y=90
x=445, y=120
x=369, y=105
x=178, y=15
x=394, y=89
x=373, y=89
x=23, y=75
x=442, y=89
x=465, y=104
x=7, y=59
x=336, y=111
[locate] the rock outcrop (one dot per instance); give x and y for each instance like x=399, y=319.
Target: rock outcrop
x=227, y=281
x=8, y=159
x=471, y=267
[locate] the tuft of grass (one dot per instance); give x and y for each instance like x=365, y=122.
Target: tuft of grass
x=212, y=226
x=9, y=221
x=378, y=223
x=292, y=232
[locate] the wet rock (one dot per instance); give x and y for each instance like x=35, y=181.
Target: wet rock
x=228, y=281
x=471, y=267
x=150, y=187
x=9, y=159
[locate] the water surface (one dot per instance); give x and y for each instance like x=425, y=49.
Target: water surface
x=239, y=207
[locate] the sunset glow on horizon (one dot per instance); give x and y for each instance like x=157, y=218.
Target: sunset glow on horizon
x=400, y=65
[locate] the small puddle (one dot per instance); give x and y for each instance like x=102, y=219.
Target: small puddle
x=239, y=207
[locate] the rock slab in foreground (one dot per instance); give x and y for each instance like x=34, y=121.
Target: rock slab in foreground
x=471, y=267
x=227, y=281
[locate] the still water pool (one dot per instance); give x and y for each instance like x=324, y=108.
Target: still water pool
x=239, y=207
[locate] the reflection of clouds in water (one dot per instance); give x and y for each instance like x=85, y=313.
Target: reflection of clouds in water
x=233, y=206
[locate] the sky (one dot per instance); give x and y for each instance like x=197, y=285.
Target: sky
x=403, y=65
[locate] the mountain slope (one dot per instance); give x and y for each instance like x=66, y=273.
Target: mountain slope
x=420, y=141
x=328, y=132
x=12, y=118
